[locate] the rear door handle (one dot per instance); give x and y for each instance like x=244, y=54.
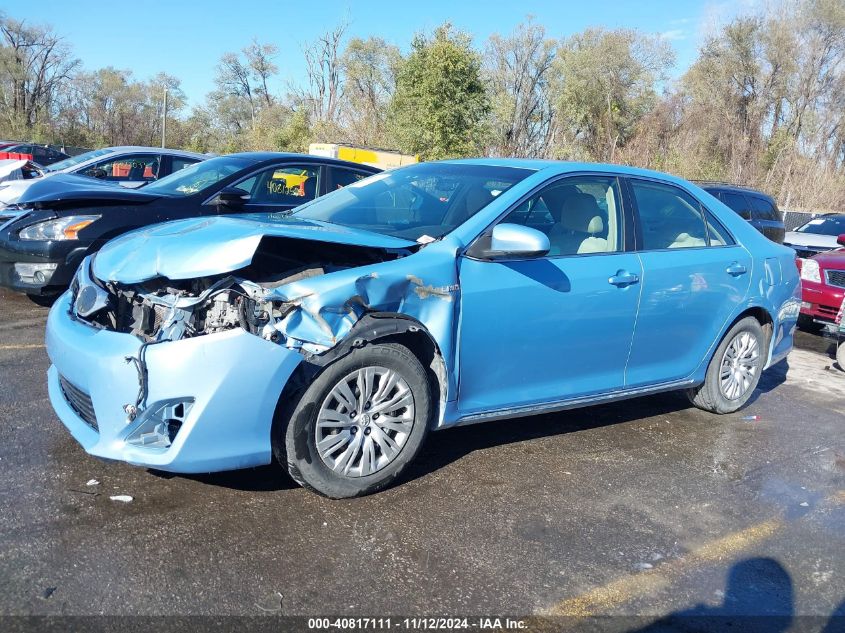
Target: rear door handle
x=736, y=269
x=623, y=278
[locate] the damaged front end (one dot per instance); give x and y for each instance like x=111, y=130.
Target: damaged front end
x=257, y=298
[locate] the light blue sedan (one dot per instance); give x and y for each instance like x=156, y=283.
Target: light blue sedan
x=335, y=338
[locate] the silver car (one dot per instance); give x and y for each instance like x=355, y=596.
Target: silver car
x=130, y=166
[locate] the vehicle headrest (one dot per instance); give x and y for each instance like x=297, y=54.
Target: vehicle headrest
x=581, y=213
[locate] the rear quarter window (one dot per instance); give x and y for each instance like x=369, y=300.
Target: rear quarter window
x=737, y=202
x=762, y=209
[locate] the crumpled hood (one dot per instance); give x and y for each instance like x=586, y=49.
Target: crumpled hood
x=199, y=247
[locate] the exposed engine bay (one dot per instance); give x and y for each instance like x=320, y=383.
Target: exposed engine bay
x=160, y=309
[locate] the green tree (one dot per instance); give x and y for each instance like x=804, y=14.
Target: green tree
x=605, y=82
x=440, y=106
x=369, y=70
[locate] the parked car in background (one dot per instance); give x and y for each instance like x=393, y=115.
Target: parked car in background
x=19, y=170
x=840, y=347
x=823, y=288
x=129, y=166
x=430, y=296
x=817, y=235
x=757, y=208
x=63, y=218
x=40, y=154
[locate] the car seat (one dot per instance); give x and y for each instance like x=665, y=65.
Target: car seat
x=580, y=227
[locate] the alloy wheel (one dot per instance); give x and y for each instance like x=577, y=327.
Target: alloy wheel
x=364, y=421
x=740, y=365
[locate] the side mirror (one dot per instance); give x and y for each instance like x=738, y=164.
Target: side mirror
x=511, y=241
x=231, y=197
x=841, y=240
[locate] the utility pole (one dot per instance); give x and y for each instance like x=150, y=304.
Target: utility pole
x=164, y=118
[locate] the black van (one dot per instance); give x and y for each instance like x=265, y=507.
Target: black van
x=759, y=209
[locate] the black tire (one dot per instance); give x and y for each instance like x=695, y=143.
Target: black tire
x=807, y=324
x=295, y=442
x=710, y=396
x=45, y=301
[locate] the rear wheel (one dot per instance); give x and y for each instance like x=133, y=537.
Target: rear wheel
x=734, y=370
x=840, y=355
x=359, y=424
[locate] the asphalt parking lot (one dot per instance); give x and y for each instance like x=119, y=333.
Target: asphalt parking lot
x=644, y=507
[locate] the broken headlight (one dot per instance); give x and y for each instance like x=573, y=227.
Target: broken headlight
x=88, y=296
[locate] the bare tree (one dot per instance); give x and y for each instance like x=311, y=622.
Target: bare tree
x=234, y=78
x=260, y=60
x=34, y=63
x=323, y=68
x=517, y=68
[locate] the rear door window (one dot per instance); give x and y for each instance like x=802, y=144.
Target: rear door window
x=179, y=162
x=737, y=202
x=340, y=177
x=669, y=217
x=762, y=209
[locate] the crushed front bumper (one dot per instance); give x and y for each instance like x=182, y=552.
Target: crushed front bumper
x=232, y=381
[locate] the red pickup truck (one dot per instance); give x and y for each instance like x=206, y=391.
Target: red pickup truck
x=823, y=287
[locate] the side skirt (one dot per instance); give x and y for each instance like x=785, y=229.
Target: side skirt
x=571, y=403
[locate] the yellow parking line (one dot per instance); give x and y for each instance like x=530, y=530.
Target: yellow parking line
x=29, y=346
x=617, y=592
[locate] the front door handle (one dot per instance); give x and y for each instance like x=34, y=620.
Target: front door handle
x=736, y=269
x=623, y=278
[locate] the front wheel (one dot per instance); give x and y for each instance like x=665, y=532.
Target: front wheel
x=359, y=424
x=734, y=370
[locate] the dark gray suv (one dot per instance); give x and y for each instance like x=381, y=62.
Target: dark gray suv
x=759, y=209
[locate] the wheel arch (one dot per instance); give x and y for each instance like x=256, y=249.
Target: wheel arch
x=375, y=327
x=763, y=317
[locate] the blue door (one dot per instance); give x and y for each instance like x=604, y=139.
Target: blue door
x=694, y=278
x=555, y=327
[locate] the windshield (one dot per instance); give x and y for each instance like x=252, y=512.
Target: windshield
x=824, y=226
x=198, y=176
x=420, y=202
x=73, y=161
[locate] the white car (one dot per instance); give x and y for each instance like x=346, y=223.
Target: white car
x=14, y=169
x=816, y=236
x=129, y=166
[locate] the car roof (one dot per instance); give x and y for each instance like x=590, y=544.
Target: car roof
x=259, y=157
x=553, y=167
x=710, y=185
x=160, y=150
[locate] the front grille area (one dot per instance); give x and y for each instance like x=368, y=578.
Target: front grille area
x=836, y=278
x=828, y=311
x=80, y=402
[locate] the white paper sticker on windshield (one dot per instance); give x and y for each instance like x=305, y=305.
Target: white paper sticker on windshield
x=815, y=222
x=425, y=239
